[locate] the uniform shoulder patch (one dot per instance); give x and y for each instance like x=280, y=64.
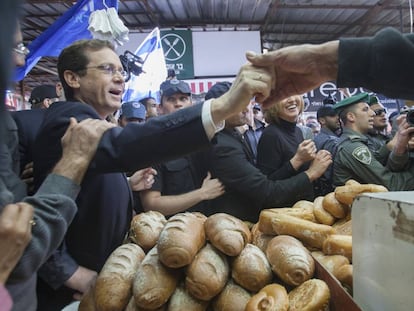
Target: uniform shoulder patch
x=362, y=154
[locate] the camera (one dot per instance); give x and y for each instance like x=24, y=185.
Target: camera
x=132, y=64
x=410, y=116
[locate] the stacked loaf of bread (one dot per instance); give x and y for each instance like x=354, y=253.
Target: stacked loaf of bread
x=194, y=262
x=324, y=226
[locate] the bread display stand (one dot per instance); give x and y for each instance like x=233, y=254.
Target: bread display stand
x=383, y=251
x=340, y=299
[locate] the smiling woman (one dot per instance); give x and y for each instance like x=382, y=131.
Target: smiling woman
x=282, y=151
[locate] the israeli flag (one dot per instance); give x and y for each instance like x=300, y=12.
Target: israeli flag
x=70, y=27
x=147, y=84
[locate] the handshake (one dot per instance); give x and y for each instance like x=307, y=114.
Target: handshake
x=279, y=74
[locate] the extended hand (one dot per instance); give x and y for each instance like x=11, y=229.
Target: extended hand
x=15, y=233
x=298, y=69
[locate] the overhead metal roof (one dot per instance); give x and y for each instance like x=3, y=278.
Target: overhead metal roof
x=280, y=22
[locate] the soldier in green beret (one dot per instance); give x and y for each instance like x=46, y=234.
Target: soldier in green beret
x=354, y=159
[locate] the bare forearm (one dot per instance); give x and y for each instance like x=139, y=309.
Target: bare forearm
x=172, y=204
x=328, y=64
x=73, y=168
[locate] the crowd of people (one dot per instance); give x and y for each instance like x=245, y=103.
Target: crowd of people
x=72, y=175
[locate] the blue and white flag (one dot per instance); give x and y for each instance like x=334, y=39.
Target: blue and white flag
x=70, y=27
x=155, y=71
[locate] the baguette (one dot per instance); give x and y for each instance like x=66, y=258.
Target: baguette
x=182, y=300
x=227, y=233
x=347, y=193
x=266, y=216
x=338, y=245
x=321, y=214
x=181, y=238
x=272, y=297
x=312, y=295
x=207, y=275
x=251, y=269
x=333, y=206
x=114, y=282
x=146, y=228
x=290, y=260
x=308, y=232
x=232, y=298
x=154, y=283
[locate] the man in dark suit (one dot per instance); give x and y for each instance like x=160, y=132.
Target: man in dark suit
x=248, y=190
x=93, y=80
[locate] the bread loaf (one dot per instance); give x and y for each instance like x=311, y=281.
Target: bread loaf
x=227, y=233
x=305, y=204
x=251, y=269
x=182, y=300
x=266, y=216
x=347, y=193
x=207, y=275
x=308, y=232
x=133, y=307
x=146, y=228
x=321, y=214
x=338, y=245
x=312, y=295
x=232, y=298
x=343, y=228
x=114, y=282
x=290, y=260
x=180, y=239
x=345, y=276
x=333, y=206
x=332, y=263
x=259, y=238
x=272, y=297
x=154, y=283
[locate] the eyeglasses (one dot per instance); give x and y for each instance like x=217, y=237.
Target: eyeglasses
x=110, y=70
x=21, y=49
x=378, y=112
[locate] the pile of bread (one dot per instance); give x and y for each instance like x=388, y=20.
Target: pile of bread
x=220, y=263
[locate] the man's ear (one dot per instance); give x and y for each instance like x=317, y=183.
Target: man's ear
x=71, y=78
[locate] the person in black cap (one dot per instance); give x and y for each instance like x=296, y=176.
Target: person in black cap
x=178, y=185
x=175, y=95
x=354, y=159
x=330, y=125
x=132, y=112
x=43, y=96
x=327, y=139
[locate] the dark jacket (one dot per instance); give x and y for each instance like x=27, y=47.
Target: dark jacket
x=104, y=203
x=277, y=146
x=248, y=190
x=381, y=64
x=28, y=124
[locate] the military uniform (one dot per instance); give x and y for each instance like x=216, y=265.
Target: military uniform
x=377, y=144
x=355, y=160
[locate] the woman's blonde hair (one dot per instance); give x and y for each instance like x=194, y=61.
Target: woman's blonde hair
x=271, y=114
